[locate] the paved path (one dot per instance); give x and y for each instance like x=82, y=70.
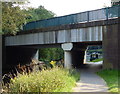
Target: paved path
x=99, y=62
x=90, y=82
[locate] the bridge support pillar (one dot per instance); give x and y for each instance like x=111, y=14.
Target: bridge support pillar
x=67, y=60
x=36, y=55
x=67, y=47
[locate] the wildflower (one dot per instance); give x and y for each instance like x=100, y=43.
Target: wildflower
x=53, y=63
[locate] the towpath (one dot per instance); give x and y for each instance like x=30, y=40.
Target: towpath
x=90, y=81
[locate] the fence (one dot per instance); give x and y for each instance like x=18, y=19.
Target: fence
x=95, y=15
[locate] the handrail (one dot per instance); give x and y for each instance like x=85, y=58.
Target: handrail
x=88, y=16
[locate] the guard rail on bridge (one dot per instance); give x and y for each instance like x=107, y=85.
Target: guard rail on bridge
x=95, y=15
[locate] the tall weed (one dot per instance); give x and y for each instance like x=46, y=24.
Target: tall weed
x=51, y=80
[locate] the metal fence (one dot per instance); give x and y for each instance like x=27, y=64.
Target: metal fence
x=88, y=16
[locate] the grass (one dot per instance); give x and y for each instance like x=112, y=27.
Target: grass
x=95, y=50
x=111, y=78
x=97, y=60
x=52, y=80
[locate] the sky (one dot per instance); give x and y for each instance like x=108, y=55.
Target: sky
x=65, y=7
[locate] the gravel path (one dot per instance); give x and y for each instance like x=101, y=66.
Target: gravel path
x=89, y=81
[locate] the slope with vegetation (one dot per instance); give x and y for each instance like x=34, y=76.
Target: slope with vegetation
x=111, y=77
x=50, y=80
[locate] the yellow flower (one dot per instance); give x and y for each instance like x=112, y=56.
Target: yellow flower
x=52, y=62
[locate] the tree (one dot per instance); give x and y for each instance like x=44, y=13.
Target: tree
x=38, y=14
x=51, y=54
x=12, y=18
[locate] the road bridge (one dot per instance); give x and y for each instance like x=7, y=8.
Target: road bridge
x=73, y=33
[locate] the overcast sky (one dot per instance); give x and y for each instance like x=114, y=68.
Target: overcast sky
x=65, y=7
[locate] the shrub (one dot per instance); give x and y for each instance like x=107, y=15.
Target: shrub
x=52, y=80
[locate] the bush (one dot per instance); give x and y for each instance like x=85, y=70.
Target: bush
x=52, y=80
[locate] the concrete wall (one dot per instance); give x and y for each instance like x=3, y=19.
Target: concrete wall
x=111, y=46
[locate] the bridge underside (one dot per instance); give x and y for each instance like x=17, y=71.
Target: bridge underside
x=24, y=54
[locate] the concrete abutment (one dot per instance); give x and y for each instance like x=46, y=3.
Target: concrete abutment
x=111, y=52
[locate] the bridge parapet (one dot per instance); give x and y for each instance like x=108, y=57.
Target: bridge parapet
x=95, y=15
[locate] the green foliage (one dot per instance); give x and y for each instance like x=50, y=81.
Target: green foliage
x=12, y=18
x=49, y=54
x=97, y=60
x=111, y=77
x=97, y=50
x=53, y=80
x=38, y=14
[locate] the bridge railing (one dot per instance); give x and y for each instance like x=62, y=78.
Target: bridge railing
x=88, y=16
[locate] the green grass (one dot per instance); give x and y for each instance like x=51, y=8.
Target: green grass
x=52, y=80
x=111, y=78
x=97, y=60
x=100, y=50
